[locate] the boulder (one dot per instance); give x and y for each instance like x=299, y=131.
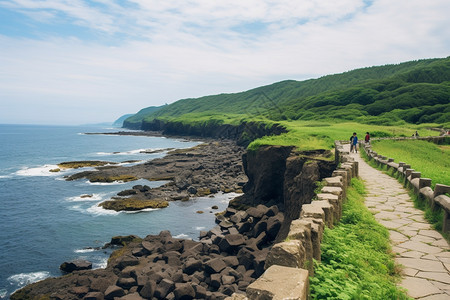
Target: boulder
x=131, y=296
x=215, y=265
x=258, y=211
x=148, y=289
x=114, y=291
x=231, y=242
x=125, y=261
x=165, y=287
x=192, y=265
x=184, y=291
x=192, y=190
x=126, y=282
x=75, y=265
x=94, y=296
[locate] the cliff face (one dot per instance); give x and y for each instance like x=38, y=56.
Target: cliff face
x=243, y=133
x=282, y=176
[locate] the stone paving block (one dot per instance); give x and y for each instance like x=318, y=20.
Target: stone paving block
x=390, y=224
x=443, y=286
x=442, y=243
x=412, y=254
x=442, y=296
x=430, y=257
x=419, y=287
x=420, y=264
x=431, y=233
x=441, y=277
x=409, y=272
x=423, y=239
x=397, y=237
x=419, y=246
x=420, y=225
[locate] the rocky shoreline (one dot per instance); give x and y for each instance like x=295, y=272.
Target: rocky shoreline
x=226, y=260
x=209, y=168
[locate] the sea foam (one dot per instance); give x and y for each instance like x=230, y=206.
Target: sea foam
x=23, y=279
x=38, y=171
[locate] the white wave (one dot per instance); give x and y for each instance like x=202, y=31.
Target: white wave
x=3, y=293
x=181, y=236
x=102, y=264
x=86, y=198
x=130, y=152
x=199, y=228
x=85, y=250
x=131, y=163
x=142, y=210
x=5, y=176
x=27, y=278
x=38, y=171
x=106, y=183
x=100, y=211
x=103, y=153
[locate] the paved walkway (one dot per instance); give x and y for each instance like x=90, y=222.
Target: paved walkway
x=423, y=252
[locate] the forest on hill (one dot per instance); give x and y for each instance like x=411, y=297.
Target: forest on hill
x=414, y=92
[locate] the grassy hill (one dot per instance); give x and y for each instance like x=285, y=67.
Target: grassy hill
x=134, y=121
x=406, y=94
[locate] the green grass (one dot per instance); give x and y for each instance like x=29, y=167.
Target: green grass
x=356, y=257
x=309, y=135
x=432, y=160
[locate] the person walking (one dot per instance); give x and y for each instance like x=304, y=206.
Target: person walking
x=351, y=143
x=355, y=142
x=367, y=138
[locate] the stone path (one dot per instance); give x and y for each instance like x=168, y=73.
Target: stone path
x=423, y=252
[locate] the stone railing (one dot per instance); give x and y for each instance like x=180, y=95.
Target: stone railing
x=422, y=186
x=434, y=139
x=290, y=263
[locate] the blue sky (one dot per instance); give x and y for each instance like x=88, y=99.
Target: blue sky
x=76, y=62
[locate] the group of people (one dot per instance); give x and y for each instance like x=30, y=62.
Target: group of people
x=354, y=141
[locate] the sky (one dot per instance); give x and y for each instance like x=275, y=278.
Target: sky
x=89, y=61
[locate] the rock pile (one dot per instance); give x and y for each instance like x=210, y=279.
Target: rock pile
x=226, y=260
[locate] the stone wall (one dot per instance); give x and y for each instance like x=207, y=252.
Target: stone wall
x=290, y=262
x=422, y=186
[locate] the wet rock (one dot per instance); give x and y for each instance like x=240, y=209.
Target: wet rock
x=75, y=265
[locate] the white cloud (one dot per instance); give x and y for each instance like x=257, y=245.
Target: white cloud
x=167, y=50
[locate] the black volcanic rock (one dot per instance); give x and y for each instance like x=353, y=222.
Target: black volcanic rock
x=75, y=265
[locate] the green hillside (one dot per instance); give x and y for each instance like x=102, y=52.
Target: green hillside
x=134, y=121
x=405, y=95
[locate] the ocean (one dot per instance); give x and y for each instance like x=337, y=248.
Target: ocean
x=45, y=221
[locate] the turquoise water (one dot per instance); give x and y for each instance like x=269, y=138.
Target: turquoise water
x=45, y=222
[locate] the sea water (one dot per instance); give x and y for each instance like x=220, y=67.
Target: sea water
x=45, y=220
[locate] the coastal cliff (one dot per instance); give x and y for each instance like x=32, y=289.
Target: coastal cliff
x=283, y=176
x=243, y=134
